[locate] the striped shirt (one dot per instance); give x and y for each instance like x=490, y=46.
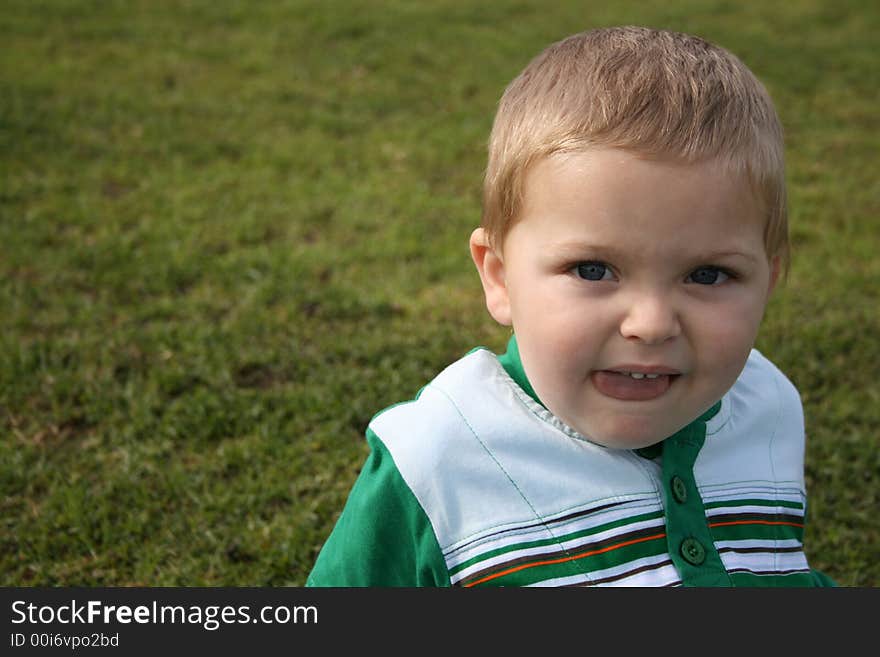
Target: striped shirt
x=475, y=483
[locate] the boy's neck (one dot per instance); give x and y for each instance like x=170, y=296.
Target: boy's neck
x=512, y=364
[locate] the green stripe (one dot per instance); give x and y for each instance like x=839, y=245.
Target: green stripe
x=755, y=502
x=576, y=566
x=555, y=540
x=757, y=532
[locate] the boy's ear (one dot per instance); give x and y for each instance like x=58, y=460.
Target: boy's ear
x=491, y=268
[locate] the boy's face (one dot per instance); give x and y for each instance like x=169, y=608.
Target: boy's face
x=635, y=288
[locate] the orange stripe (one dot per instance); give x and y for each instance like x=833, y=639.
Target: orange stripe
x=563, y=559
x=754, y=522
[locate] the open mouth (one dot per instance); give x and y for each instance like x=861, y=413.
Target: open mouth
x=632, y=386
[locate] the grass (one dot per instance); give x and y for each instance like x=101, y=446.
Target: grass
x=231, y=232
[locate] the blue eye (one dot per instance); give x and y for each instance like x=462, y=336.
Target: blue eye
x=592, y=271
x=708, y=276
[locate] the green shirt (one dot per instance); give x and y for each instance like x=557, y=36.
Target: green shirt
x=476, y=483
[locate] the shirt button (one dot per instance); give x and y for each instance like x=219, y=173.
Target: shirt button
x=679, y=490
x=693, y=551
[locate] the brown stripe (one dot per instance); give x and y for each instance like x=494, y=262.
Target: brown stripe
x=769, y=572
x=634, y=571
x=796, y=548
x=746, y=517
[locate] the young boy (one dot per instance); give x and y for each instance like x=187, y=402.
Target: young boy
x=634, y=227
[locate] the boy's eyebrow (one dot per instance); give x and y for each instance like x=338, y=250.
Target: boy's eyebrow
x=576, y=249
x=731, y=254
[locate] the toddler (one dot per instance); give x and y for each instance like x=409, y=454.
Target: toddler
x=634, y=226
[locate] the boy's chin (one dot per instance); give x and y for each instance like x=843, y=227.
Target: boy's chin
x=625, y=435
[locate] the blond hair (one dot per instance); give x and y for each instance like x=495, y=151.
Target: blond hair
x=653, y=92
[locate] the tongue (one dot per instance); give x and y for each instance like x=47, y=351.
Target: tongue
x=623, y=386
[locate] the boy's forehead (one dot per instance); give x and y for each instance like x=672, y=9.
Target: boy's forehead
x=615, y=174
x=591, y=157
x=568, y=196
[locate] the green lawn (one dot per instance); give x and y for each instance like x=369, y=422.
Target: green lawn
x=231, y=232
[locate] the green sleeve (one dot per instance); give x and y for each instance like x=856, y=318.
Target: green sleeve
x=383, y=536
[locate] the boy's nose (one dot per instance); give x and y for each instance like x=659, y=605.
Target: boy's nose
x=651, y=319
